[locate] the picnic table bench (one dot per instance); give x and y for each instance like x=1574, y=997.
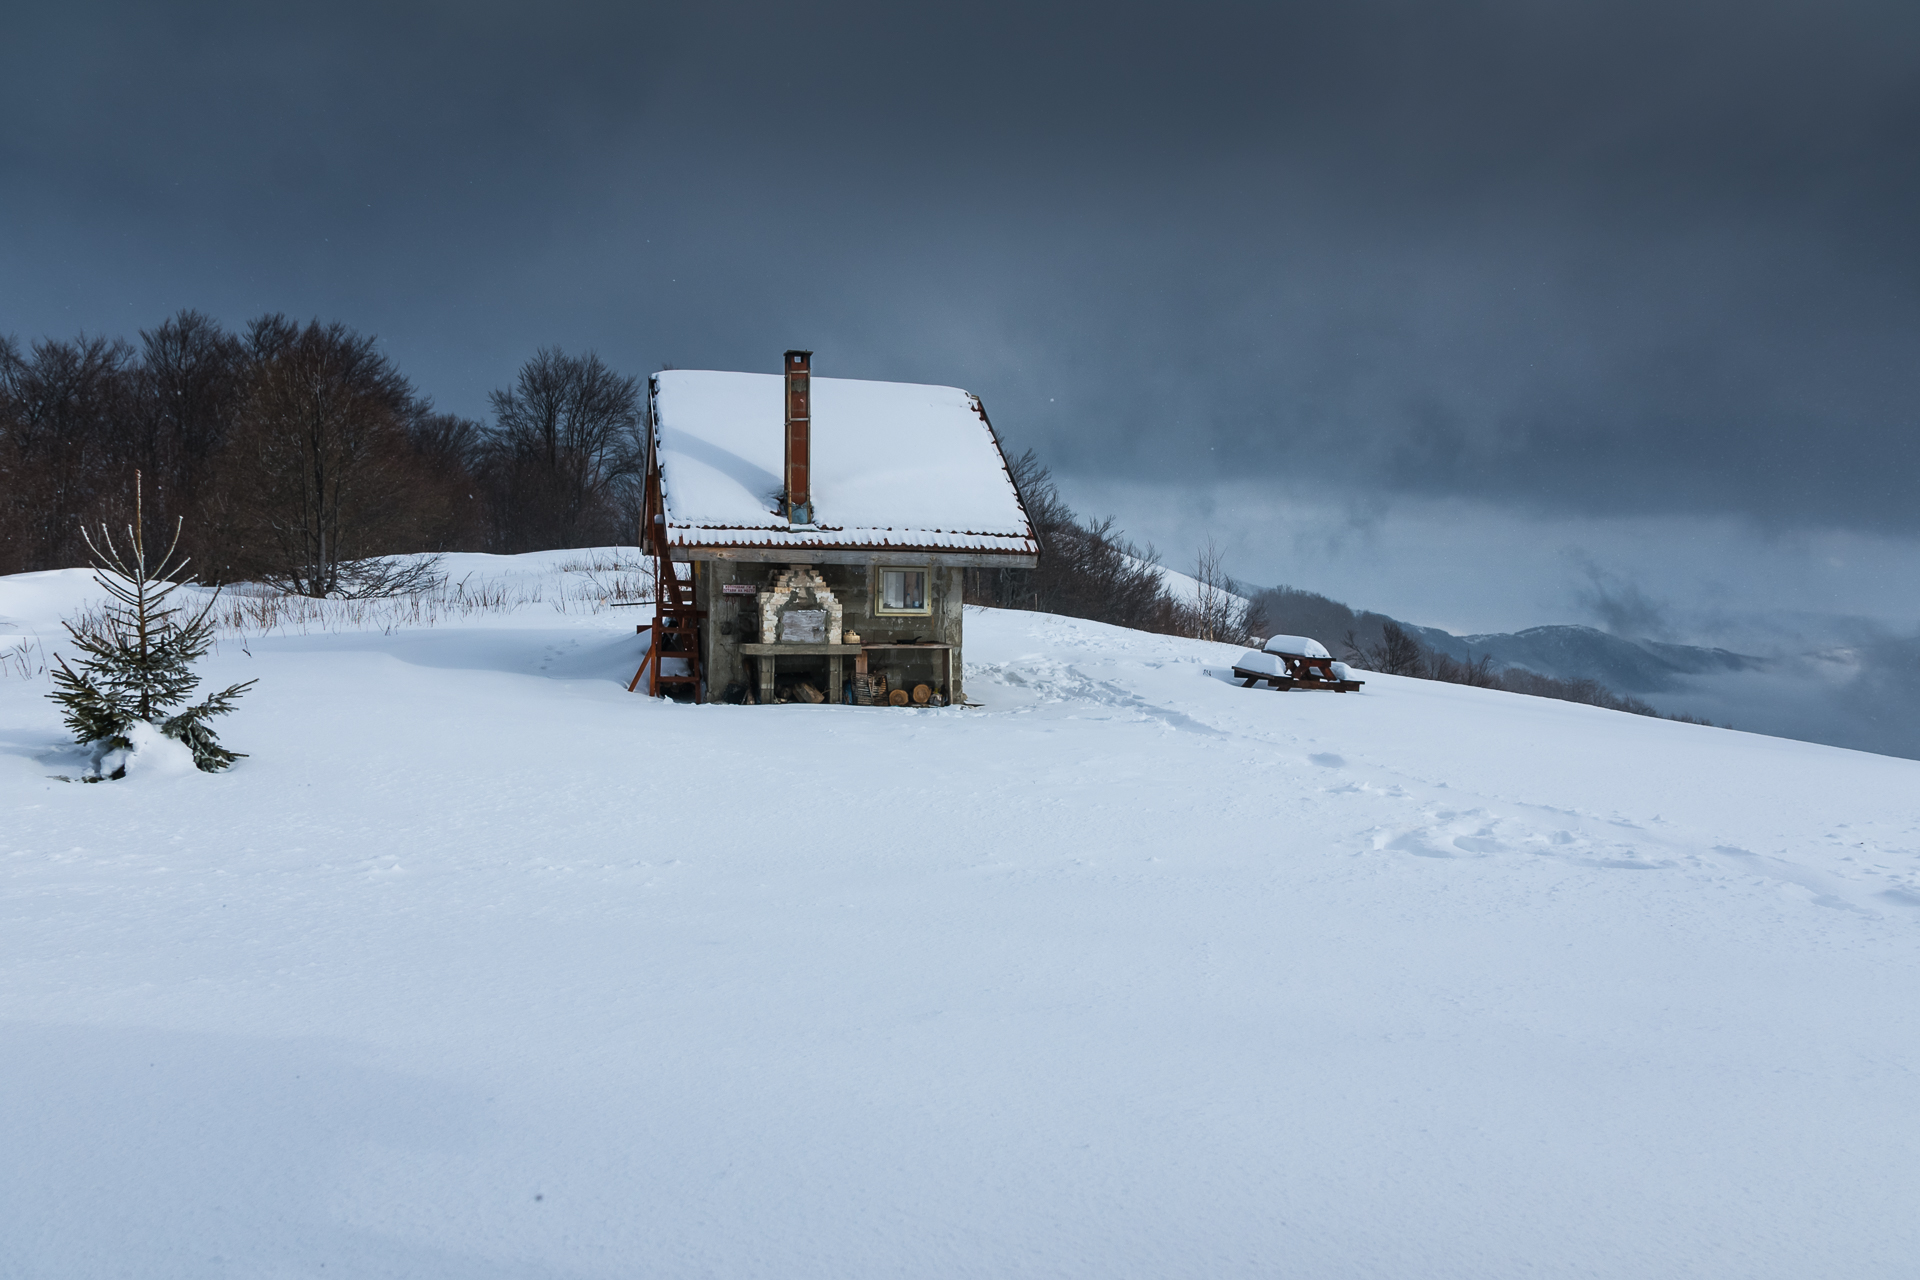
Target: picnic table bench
x=1293, y=662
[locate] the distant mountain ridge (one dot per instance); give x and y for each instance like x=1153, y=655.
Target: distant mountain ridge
x=1564, y=652
x=1864, y=695
x=1580, y=652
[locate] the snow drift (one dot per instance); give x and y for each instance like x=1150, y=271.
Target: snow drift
x=480, y=966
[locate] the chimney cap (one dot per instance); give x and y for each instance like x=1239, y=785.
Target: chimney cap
x=798, y=357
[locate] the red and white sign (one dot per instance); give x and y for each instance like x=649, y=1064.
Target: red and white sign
x=738, y=589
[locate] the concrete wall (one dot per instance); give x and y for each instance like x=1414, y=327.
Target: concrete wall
x=733, y=620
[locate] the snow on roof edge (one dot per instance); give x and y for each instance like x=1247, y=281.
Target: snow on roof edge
x=910, y=453
x=684, y=535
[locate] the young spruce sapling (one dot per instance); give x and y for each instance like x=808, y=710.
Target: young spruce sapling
x=136, y=658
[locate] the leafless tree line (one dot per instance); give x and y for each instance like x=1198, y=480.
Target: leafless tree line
x=1089, y=569
x=565, y=457
x=300, y=454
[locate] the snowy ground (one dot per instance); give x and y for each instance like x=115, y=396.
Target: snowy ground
x=482, y=967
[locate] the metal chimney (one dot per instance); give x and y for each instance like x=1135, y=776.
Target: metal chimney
x=799, y=475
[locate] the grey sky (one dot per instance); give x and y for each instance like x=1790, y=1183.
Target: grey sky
x=1605, y=263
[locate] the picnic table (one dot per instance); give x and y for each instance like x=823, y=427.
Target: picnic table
x=1293, y=662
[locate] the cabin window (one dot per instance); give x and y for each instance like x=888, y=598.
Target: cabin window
x=902, y=591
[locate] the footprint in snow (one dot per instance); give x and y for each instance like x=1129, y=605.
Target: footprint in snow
x=1419, y=845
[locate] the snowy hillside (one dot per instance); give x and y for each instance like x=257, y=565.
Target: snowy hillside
x=1186, y=589
x=480, y=966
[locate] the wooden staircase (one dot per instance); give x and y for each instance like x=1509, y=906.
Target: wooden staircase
x=676, y=617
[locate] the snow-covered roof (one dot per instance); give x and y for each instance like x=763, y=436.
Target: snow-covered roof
x=895, y=466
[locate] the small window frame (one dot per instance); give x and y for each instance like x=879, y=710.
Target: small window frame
x=880, y=609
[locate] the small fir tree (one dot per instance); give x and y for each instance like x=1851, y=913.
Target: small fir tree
x=138, y=655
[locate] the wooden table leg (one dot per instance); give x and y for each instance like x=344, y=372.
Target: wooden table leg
x=833, y=677
x=766, y=679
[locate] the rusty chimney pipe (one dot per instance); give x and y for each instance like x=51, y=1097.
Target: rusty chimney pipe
x=799, y=476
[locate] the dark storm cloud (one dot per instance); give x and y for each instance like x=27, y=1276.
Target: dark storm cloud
x=1621, y=605
x=1610, y=257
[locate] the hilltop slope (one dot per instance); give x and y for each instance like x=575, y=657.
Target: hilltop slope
x=480, y=966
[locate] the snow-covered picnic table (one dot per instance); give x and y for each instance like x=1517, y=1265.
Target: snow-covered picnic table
x=1294, y=662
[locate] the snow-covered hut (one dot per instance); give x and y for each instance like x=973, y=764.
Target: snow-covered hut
x=809, y=534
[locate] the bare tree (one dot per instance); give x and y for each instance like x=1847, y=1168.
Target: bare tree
x=1397, y=653
x=448, y=501
x=565, y=440
x=447, y=442
x=187, y=391
x=1220, y=610
x=1477, y=672
x=61, y=435
x=319, y=458
x=17, y=475
x=1046, y=512
x=1088, y=569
